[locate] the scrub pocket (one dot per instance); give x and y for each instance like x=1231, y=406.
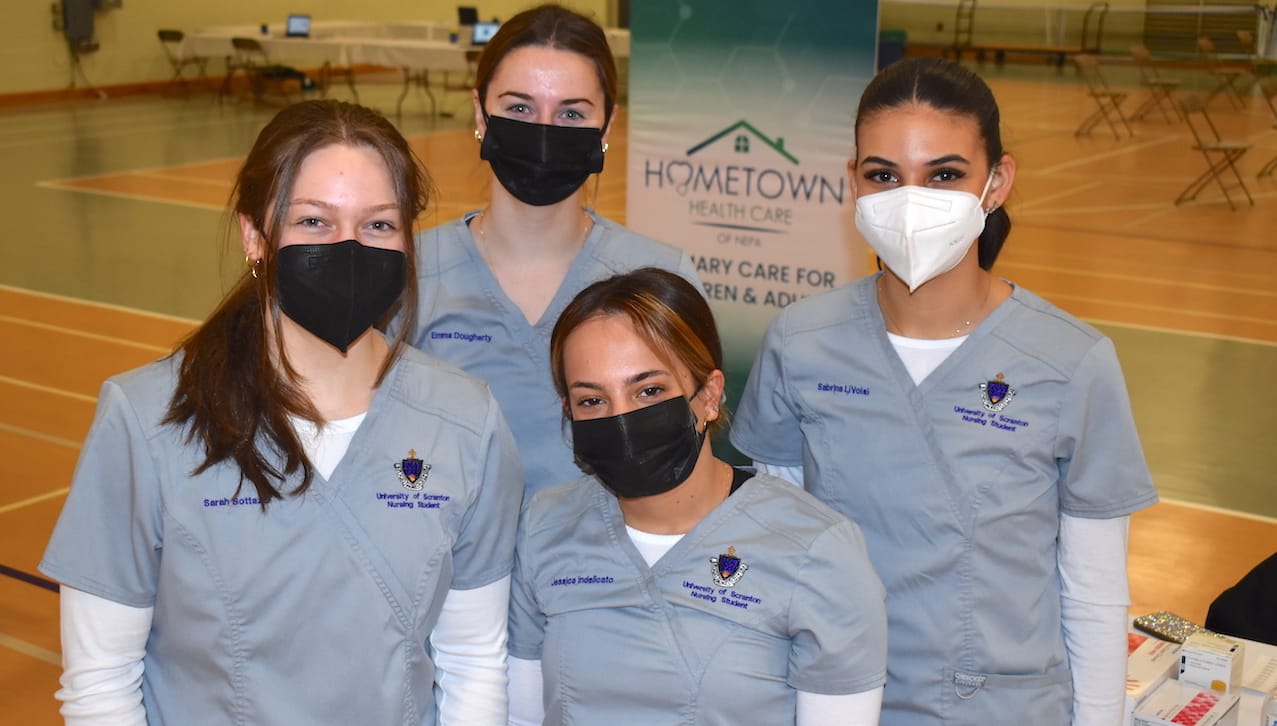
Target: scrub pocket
x=1043, y=699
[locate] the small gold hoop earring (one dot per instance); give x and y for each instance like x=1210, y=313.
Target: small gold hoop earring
x=478, y=136
x=604, y=147
x=252, y=265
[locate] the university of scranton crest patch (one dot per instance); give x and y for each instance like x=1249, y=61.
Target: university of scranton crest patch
x=996, y=394
x=412, y=472
x=728, y=568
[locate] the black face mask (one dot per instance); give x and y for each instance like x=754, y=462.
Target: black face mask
x=541, y=164
x=642, y=452
x=337, y=291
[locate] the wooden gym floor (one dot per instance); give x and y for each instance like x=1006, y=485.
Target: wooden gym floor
x=124, y=245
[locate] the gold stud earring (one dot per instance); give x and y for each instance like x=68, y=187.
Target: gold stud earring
x=478, y=136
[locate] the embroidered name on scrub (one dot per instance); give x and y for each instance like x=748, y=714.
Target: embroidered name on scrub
x=844, y=388
x=413, y=500
x=458, y=335
x=227, y=502
x=995, y=420
x=586, y=580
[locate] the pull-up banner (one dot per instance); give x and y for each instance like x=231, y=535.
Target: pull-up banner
x=740, y=129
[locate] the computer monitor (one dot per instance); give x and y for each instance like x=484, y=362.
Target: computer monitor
x=298, y=26
x=467, y=15
x=481, y=33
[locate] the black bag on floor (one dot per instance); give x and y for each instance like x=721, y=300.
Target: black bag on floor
x=285, y=73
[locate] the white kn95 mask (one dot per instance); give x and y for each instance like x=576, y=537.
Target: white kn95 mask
x=921, y=233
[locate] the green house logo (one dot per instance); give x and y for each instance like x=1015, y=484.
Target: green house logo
x=745, y=138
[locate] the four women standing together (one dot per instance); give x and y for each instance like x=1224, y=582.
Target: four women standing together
x=298, y=519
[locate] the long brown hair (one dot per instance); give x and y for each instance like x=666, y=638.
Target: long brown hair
x=234, y=394
x=553, y=26
x=667, y=311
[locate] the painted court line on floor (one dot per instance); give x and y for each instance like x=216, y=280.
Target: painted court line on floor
x=159, y=169
x=1119, y=151
x=1180, y=331
x=1220, y=510
x=96, y=304
x=1164, y=309
x=30, y=649
x=133, y=197
x=39, y=436
x=48, y=389
x=1040, y=199
x=163, y=350
x=61, y=141
x=1177, y=284
x=12, y=506
x=1154, y=207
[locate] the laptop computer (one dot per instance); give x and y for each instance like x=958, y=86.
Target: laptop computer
x=481, y=33
x=298, y=26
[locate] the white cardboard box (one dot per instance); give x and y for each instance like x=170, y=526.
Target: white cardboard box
x=1149, y=663
x=1180, y=704
x=1211, y=661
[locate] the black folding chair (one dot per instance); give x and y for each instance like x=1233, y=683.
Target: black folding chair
x=171, y=41
x=1221, y=154
x=1226, y=75
x=251, y=59
x=1108, y=103
x=1161, y=90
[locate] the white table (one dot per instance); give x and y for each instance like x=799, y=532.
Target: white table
x=420, y=30
x=416, y=57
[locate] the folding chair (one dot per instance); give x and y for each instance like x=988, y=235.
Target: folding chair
x=963, y=26
x=1226, y=76
x=1268, y=91
x=1161, y=91
x=1268, y=88
x=1246, y=39
x=1108, y=103
x=1221, y=154
x=251, y=58
x=171, y=41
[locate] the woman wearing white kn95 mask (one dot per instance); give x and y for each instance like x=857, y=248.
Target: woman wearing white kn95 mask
x=980, y=437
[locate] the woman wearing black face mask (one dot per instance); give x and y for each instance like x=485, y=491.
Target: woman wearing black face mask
x=668, y=587
x=494, y=281
x=292, y=497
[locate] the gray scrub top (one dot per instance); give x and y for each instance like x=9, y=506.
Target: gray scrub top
x=317, y=610
x=958, y=484
x=678, y=643
x=466, y=319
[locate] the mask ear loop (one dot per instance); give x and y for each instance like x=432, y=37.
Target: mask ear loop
x=985, y=192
